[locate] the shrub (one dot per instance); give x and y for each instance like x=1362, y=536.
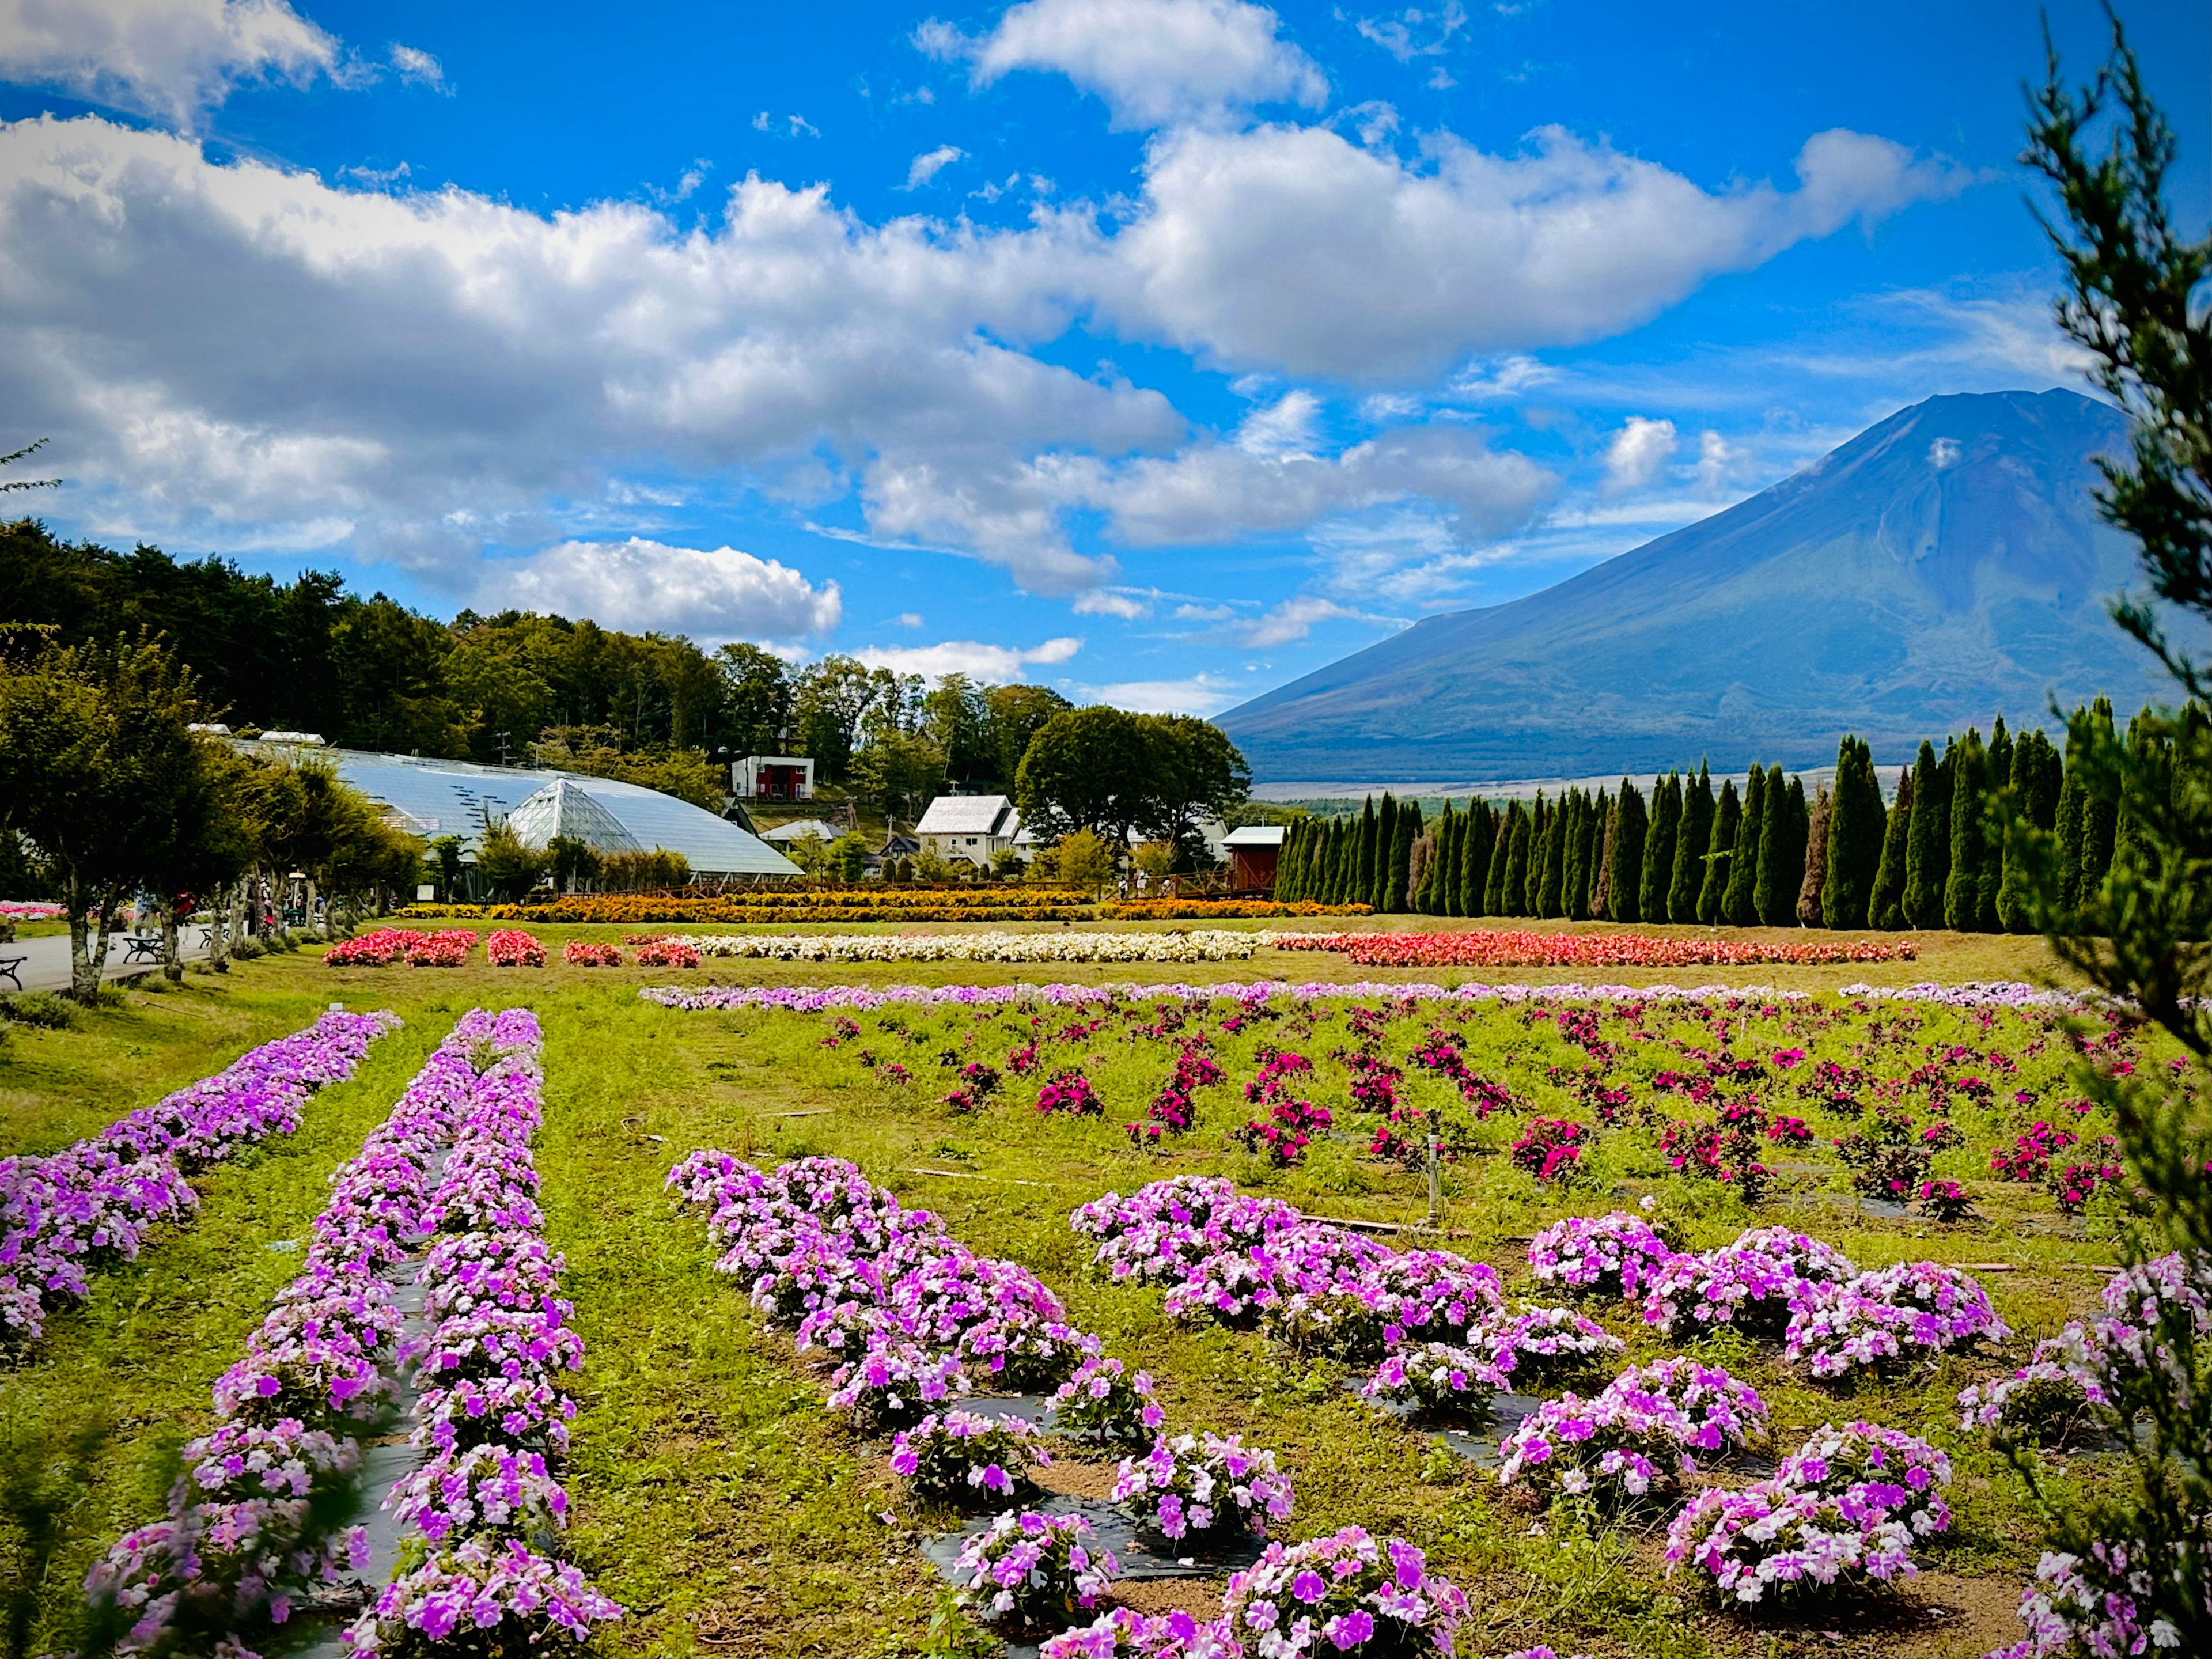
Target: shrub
x=1344, y=1594
x=1031, y=1569
x=1197, y=1487
x=508, y=947
x=41, y=1009
x=963, y=1456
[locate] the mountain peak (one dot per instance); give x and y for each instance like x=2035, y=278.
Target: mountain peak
x=1946, y=562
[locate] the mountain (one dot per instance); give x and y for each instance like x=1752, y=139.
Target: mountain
x=1943, y=565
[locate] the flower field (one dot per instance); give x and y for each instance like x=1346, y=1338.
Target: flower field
x=882, y=1318
x=874, y=903
x=1485, y=948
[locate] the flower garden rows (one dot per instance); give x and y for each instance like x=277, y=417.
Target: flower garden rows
x=1491, y=948
x=916, y=1323
x=62, y=1215
x=250, y=1524
x=917, y=1320
x=1906, y=1102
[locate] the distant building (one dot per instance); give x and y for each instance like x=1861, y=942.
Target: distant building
x=785, y=834
x=773, y=777
x=969, y=828
x=1254, y=852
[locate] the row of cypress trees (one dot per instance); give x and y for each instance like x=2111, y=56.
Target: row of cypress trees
x=1934, y=855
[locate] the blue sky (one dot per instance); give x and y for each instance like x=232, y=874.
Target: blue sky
x=1160, y=350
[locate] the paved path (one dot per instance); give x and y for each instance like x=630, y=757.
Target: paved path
x=46, y=960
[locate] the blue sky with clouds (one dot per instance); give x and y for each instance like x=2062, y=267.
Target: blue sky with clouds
x=1160, y=350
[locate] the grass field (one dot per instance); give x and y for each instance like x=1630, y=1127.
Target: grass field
x=718, y=1500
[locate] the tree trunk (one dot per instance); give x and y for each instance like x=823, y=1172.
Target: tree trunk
x=173, y=959
x=310, y=923
x=219, y=926
x=87, y=940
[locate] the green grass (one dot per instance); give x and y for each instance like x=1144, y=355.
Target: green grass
x=717, y=1499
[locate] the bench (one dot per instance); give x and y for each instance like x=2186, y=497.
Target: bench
x=8, y=967
x=142, y=947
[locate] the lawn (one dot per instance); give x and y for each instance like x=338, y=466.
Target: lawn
x=720, y=1501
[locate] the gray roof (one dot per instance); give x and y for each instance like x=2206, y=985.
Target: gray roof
x=562, y=808
x=802, y=829
x=969, y=815
x=1255, y=835
x=451, y=797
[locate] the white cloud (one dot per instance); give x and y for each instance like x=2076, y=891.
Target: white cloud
x=907, y=619
x=1720, y=463
x=1212, y=491
x=927, y=166
x=1944, y=454
x=1154, y=62
x=1122, y=602
x=1202, y=695
x=1283, y=429
x=638, y=584
x=1414, y=34
x=419, y=68
x=170, y=58
x=1293, y=619
x=1637, y=456
x=1293, y=249
x=997, y=664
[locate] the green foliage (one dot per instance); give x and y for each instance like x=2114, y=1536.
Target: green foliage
x=41, y=1009
x=1694, y=840
x=1656, y=884
x=1739, y=904
x=1856, y=827
x=2134, y=302
x=1969, y=825
x=1085, y=861
x=1720, y=857
x=1886, y=907
x=1625, y=879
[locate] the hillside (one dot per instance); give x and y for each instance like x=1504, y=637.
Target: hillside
x=1943, y=565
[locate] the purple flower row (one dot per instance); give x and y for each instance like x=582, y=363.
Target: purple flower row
x=241, y=1537
x=1772, y=1283
x=808, y=1000
x=62, y=1215
x=490, y=1412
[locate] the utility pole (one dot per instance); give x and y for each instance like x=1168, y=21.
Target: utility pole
x=1436, y=1218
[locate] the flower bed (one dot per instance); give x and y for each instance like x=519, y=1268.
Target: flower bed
x=1202, y=1487
x=1617, y=1257
x=508, y=947
x=797, y=904
x=1030, y=1569
x=1845, y=1508
x=31, y=910
x=1878, y=1318
x=1638, y=1436
x=1756, y=1285
x=1485, y=948
x=249, y=1523
x=1343, y=1593
x=966, y=1457
x=1069, y=946
x=63, y=1215
x=483, y=1506
x=1103, y=1400
x=581, y=953
x=664, y=953
x=1197, y=909
x=381, y=947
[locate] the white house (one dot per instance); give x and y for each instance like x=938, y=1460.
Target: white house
x=974, y=829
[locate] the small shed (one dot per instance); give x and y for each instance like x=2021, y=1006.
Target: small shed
x=1252, y=853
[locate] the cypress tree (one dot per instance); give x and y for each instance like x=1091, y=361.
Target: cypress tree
x=1989, y=875
x=1659, y=848
x=1962, y=892
x=2033, y=800
x=1540, y=824
x=1781, y=852
x=1737, y=904
x=1300, y=858
x=1808, y=908
x=1720, y=859
x=1597, y=816
x=1692, y=841
x=1928, y=851
x=1378, y=874
x=1501, y=855
x=1551, y=891
x=1344, y=882
x=1435, y=897
x=1885, y=909
x=1574, y=880
x=1856, y=827
x=1455, y=875
x=1363, y=857
x=2073, y=820
x=2099, y=816
x=1516, y=864
x=1475, y=860
x=1398, y=896
x=2150, y=758
x=1601, y=884
x=1631, y=829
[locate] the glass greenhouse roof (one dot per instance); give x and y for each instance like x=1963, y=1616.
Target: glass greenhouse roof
x=452, y=798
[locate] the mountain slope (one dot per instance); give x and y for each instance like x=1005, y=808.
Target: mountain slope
x=1942, y=565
